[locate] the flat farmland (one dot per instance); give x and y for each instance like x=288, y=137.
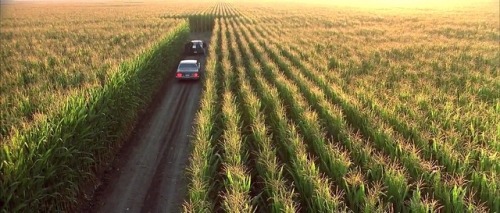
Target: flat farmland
x=49, y=51
x=76, y=78
x=316, y=106
x=327, y=108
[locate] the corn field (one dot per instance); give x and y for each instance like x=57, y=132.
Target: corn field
x=49, y=52
x=305, y=107
x=73, y=84
x=324, y=109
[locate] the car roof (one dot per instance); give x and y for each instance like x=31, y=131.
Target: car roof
x=195, y=41
x=189, y=61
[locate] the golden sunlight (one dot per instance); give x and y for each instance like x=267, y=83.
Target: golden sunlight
x=417, y=3
x=442, y=4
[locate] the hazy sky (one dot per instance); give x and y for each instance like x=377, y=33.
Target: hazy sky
x=407, y=3
x=381, y=3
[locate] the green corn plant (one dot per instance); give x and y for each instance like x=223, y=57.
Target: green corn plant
x=373, y=201
x=397, y=187
x=420, y=204
x=237, y=182
x=488, y=189
x=355, y=186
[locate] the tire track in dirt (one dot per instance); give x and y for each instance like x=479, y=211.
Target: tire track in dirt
x=154, y=191
x=149, y=172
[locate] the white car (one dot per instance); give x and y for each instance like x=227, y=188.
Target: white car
x=188, y=69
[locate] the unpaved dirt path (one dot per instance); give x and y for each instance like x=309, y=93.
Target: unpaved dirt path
x=149, y=173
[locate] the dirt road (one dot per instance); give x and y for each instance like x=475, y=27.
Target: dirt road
x=149, y=173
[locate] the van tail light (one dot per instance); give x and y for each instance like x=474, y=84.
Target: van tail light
x=195, y=75
x=178, y=75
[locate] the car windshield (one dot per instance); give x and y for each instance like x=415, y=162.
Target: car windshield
x=188, y=67
x=196, y=44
